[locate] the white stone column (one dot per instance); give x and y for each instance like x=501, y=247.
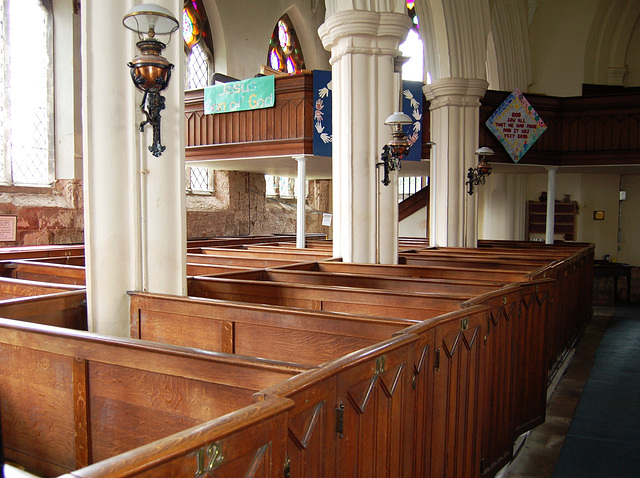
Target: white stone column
x=112, y=164
x=455, y=108
x=551, y=203
x=363, y=47
x=501, y=207
x=302, y=193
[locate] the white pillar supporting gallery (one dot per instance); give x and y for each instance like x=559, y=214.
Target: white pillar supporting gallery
x=127, y=234
x=455, y=112
x=551, y=204
x=301, y=201
x=363, y=45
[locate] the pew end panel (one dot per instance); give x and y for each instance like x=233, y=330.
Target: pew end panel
x=246, y=441
x=276, y=333
x=72, y=398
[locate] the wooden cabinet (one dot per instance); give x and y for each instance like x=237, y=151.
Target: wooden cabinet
x=565, y=220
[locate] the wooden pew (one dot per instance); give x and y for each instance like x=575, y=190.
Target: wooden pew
x=71, y=398
x=61, y=309
x=382, y=411
x=276, y=333
x=11, y=288
x=194, y=269
x=26, y=252
x=359, y=301
x=298, y=255
x=43, y=271
x=304, y=274
x=496, y=277
x=234, y=261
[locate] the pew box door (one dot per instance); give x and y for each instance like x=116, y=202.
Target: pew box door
x=498, y=375
x=374, y=416
x=531, y=371
x=455, y=447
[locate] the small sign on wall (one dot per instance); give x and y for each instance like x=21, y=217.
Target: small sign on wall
x=8, y=228
x=598, y=215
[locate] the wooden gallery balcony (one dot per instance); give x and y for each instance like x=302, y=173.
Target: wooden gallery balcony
x=284, y=130
x=581, y=131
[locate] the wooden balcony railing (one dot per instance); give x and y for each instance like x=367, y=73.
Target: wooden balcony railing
x=285, y=129
x=588, y=130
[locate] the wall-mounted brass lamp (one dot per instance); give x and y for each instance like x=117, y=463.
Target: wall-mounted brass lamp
x=150, y=71
x=397, y=148
x=478, y=176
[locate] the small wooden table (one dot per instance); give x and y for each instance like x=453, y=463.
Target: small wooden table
x=615, y=270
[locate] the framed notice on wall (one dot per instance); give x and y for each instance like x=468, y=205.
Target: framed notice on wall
x=8, y=228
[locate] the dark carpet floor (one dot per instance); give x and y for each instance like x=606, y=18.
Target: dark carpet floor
x=603, y=439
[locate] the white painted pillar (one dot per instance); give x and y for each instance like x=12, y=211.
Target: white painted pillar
x=363, y=47
x=112, y=184
x=551, y=203
x=501, y=207
x=455, y=111
x=301, y=201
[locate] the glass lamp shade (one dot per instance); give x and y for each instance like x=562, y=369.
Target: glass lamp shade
x=150, y=19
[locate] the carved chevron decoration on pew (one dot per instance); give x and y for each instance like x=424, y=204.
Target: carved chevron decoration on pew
x=361, y=394
x=541, y=298
x=467, y=337
x=302, y=426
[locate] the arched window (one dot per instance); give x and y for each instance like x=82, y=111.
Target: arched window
x=412, y=48
x=285, y=53
x=198, y=48
x=198, y=45
x=26, y=93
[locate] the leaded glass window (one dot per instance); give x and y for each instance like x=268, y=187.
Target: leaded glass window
x=26, y=89
x=199, y=179
x=197, y=44
x=285, y=53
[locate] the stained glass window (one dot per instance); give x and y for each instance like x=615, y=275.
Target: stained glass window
x=285, y=53
x=26, y=94
x=413, y=48
x=197, y=44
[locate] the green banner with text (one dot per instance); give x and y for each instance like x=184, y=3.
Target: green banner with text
x=251, y=94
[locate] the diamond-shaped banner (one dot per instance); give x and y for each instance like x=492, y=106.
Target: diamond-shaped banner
x=516, y=125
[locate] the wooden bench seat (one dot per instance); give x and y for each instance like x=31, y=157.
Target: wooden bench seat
x=264, y=331
x=72, y=398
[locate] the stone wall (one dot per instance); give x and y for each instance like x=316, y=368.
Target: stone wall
x=45, y=215
x=238, y=206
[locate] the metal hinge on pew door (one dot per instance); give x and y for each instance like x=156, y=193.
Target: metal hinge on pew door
x=436, y=365
x=340, y=420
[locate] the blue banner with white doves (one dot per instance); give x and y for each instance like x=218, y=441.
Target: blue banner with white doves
x=322, y=125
